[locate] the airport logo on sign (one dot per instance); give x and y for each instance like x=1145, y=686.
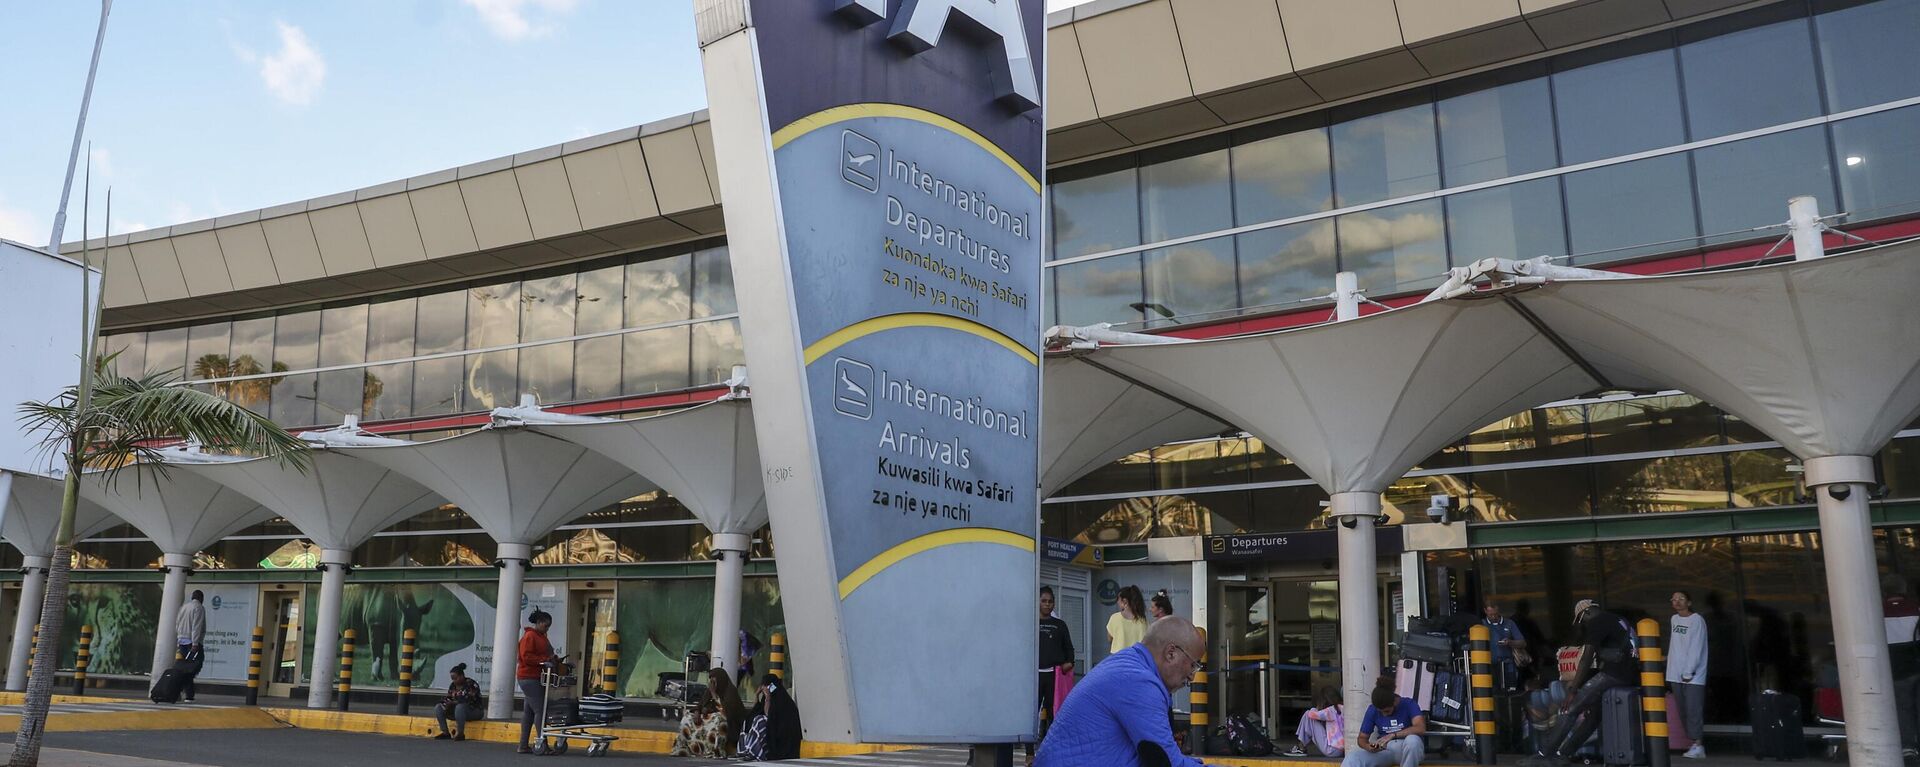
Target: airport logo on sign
x=922, y=22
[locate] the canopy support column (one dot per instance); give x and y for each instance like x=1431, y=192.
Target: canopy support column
x=729, y=575
x=32, y=588
x=172, y=593
x=506, y=628
x=1803, y=220
x=1839, y=485
x=1354, y=513
x=326, y=635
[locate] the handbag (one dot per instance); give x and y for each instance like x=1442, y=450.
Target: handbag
x=1062, y=684
x=1522, y=658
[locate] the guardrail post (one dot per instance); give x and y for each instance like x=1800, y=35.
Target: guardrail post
x=253, y=665
x=1653, y=692
x=345, y=686
x=1480, y=670
x=409, y=639
x=777, y=656
x=80, y=660
x=610, y=665
x=1200, y=718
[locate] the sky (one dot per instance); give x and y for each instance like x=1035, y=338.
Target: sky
x=208, y=107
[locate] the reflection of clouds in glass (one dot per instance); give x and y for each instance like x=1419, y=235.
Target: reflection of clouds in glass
x=1103, y=280
x=343, y=335
x=1201, y=169
x=1287, y=264
x=1290, y=171
x=1095, y=214
x=658, y=291
x=1394, y=246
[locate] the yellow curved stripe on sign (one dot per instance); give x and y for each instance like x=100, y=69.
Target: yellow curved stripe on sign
x=840, y=114
x=863, y=328
x=928, y=542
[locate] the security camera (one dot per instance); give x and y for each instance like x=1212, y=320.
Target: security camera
x=1437, y=506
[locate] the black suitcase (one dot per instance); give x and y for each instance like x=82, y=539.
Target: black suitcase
x=1449, y=698
x=167, y=688
x=1623, y=738
x=1777, y=730
x=563, y=712
x=1427, y=648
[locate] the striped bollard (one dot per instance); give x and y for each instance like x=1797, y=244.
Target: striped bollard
x=1201, y=717
x=1653, y=692
x=1480, y=684
x=345, y=685
x=80, y=660
x=409, y=639
x=610, y=665
x=33, y=648
x=254, y=649
x=777, y=656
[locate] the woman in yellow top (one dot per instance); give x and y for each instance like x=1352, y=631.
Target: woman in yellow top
x=1127, y=627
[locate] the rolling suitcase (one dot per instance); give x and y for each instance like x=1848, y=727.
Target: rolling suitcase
x=601, y=709
x=563, y=712
x=1449, y=698
x=1414, y=681
x=167, y=688
x=1623, y=742
x=1777, y=730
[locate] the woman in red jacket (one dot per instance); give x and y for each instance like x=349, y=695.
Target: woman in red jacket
x=534, y=651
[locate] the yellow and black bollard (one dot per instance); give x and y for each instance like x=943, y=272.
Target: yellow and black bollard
x=1480, y=684
x=1653, y=692
x=610, y=665
x=80, y=660
x=33, y=647
x=1200, y=716
x=253, y=665
x=777, y=656
x=345, y=688
x=409, y=640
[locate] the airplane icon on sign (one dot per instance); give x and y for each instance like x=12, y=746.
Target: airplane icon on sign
x=856, y=152
x=853, y=380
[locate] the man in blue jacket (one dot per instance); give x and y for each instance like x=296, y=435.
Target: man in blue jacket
x=1120, y=709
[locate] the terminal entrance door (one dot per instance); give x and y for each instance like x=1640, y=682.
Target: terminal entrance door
x=597, y=615
x=281, y=653
x=1281, y=640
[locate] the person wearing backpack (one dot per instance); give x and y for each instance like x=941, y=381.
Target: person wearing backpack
x=1611, y=649
x=1390, y=734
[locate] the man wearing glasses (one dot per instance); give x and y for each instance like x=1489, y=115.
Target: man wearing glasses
x=1118, y=714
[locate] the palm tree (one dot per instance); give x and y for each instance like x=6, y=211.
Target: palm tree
x=108, y=422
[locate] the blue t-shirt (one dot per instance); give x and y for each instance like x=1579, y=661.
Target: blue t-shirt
x=1377, y=723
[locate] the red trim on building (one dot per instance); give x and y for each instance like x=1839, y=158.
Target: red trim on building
x=612, y=406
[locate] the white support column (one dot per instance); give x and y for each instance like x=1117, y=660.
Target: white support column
x=1803, y=219
x=729, y=575
x=506, y=628
x=1346, y=296
x=1202, y=588
x=33, y=589
x=1839, y=485
x=326, y=632
x=1353, y=515
x=172, y=593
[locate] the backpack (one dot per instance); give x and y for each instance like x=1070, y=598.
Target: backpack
x=753, y=738
x=1246, y=739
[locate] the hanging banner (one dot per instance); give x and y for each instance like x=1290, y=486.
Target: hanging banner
x=879, y=165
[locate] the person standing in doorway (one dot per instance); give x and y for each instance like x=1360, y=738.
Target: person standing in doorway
x=1056, y=658
x=1509, y=647
x=190, y=629
x=1126, y=627
x=534, y=652
x=1687, y=669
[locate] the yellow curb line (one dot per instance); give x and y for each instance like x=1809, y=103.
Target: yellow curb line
x=162, y=719
x=632, y=741
x=1250, y=761
x=20, y=699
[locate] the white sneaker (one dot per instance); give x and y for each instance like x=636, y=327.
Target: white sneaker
x=1696, y=752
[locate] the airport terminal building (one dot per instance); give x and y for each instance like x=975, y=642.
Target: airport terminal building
x=1212, y=164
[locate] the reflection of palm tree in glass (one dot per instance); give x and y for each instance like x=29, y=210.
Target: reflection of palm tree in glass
x=370, y=393
x=250, y=393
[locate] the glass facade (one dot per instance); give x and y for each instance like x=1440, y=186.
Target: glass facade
x=1540, y=158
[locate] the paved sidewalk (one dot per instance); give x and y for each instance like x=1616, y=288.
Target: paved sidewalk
x=65, y=757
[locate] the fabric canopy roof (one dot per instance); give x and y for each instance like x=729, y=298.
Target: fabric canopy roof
x=338, y=502
x=1357, y=403
x=706, y=457
x=1093, y=418
x=180, y=511
x=1821, y=355
x=33, y=515
x=517, y=484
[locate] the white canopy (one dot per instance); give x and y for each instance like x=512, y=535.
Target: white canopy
x=338, y=502
x=33, y=515
x=516, y=484
x=1357, y=403
x=1822, y=355
x=706, y=456
x=1093, y=417
x=181, y=512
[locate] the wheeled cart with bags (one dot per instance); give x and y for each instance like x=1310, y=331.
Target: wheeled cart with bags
x=564, y=718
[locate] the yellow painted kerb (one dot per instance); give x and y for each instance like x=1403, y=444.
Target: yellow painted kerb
x=928, y=542
x=840, y=114
x=848, y=334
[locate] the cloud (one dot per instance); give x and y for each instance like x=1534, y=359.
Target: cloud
x=21, y=226
x=102, y=163
x=294, y=73
x=509, y=19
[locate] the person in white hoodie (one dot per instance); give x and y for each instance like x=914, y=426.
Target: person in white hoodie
x=1687, y=669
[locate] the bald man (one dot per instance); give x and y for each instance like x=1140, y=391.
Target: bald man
x=1118, y=714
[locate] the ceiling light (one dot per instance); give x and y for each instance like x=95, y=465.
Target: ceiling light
x=1854, y=159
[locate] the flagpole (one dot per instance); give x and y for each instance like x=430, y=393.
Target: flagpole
x=79, y=130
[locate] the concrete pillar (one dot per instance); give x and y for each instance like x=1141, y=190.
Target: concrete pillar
x=33, y=589
x=1803, y=220
x=1346, y=296
x=729, y=575
x=172, y=593
x=506, y=628
x=326, y=630
x=1839, y=485
x=1353, y=514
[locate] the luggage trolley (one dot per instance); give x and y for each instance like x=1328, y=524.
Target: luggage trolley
x=565, y=719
